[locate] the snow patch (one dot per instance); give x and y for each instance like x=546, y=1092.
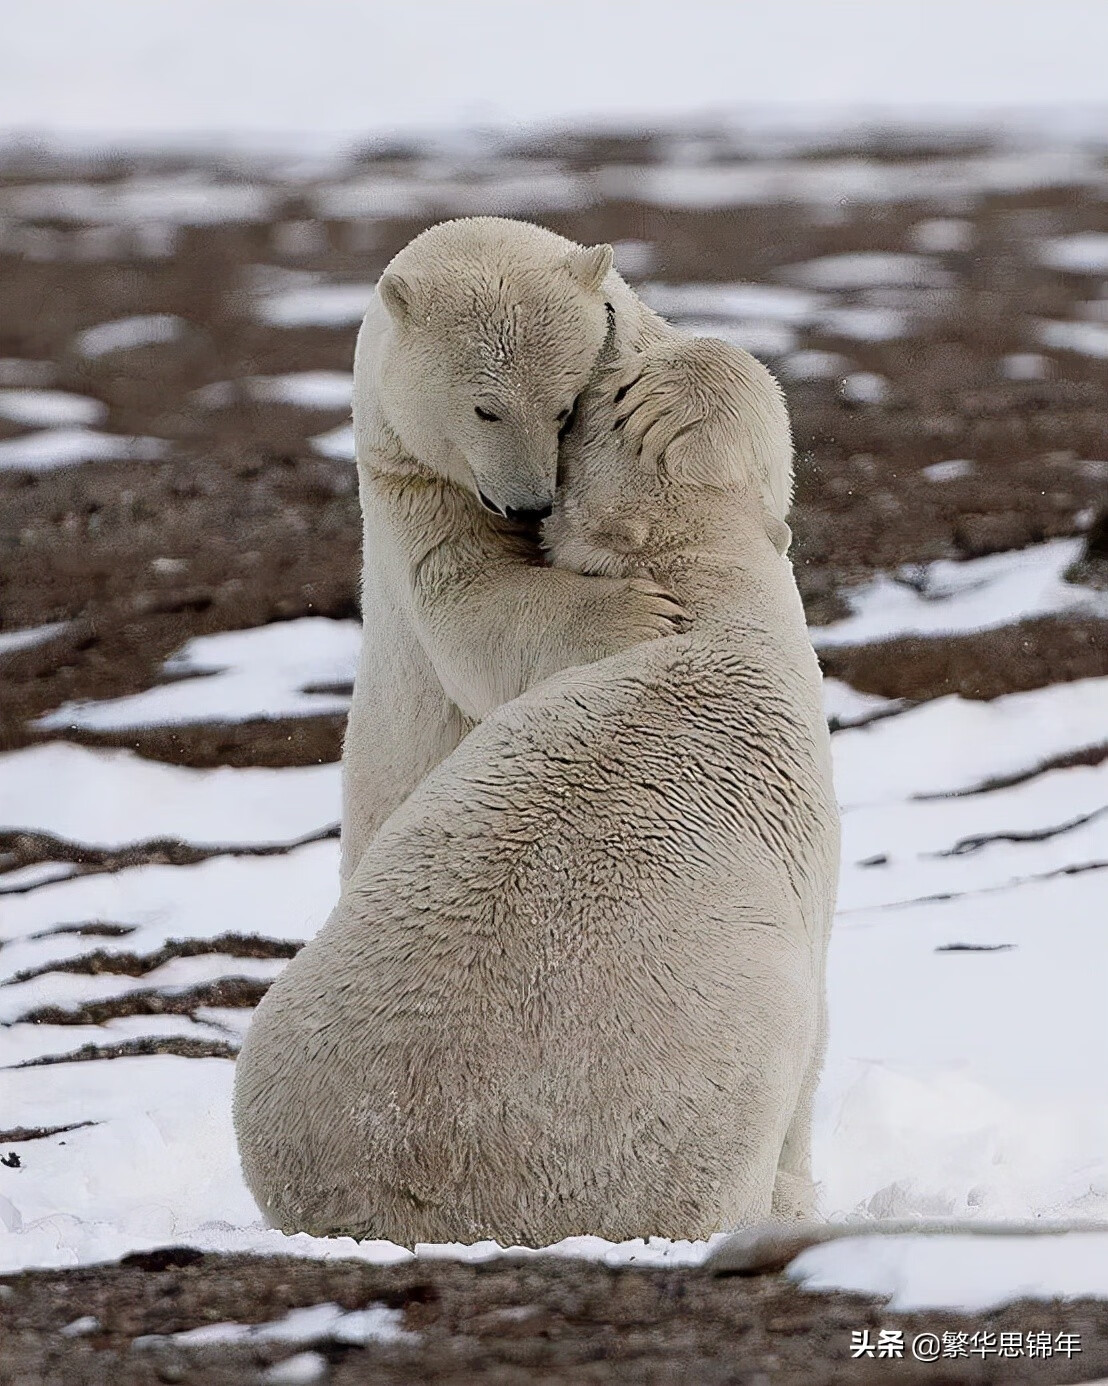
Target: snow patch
x=953, y=470
x=186, y=199
x=27, y=1043
x=766, y=302
x=953, y=746
x=235, y=676
x=966, y=1273
x=1084, y=253
x=80, y=1328
x=865, y=324
x=47, y=408
x=506, y=188
x=815, y=365
x=48, y=788
x=941, y=235
x=948, y=597
x=759, y=338
x=337, y=444
x=125, y=334
x=299, y=1370
x=285, y=897
x=70, y=447
x=870, y=269
x=835, y=182
x=303, y=389
x=863, y=387
x=844, y=706
x=634, y=259
x=69, y=991
x=318, y=305
x=1085, y=338
x=1025, y=365
x=314, y=1324
x=962, y=846
x=13, y=640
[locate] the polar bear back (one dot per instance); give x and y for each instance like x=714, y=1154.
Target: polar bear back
x=598, y=903
x=575, y=983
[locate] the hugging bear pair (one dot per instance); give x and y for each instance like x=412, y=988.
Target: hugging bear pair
x=575, y=979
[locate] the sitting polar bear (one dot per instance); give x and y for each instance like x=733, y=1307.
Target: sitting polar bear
x=575, y=984
x=481, y=336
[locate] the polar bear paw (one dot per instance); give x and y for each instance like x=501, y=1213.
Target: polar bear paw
x=632, y=610
x=658, y=400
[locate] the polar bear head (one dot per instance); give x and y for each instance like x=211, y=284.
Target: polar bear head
x=495, y=328
x=683, y=449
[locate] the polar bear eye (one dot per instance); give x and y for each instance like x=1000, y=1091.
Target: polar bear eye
x=485, y=414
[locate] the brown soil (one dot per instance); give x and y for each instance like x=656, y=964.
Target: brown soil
x=228, y=991
x=39, y=1133
x=181, y=1046
x=1011, y=659
x=100, y=963
x=19, y=849
x=274, y=742
x=242, y=524
x=1091, y=755
x=545, y=1321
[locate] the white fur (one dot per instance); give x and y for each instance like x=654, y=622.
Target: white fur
x=460, y=613
x=575, y=984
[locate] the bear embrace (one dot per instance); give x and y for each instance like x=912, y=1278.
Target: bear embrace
x=575, y=979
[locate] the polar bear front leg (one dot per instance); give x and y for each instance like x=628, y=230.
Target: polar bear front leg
x=794, y=1192
x=496, y=635
x=401, y=726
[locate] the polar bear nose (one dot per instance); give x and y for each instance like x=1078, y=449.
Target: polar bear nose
x=522, y=515
x=528, y=517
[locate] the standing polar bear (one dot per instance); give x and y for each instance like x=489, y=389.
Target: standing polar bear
x=575, y=984
x=481, y=337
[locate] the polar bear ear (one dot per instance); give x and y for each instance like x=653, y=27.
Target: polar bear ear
x=690, y=460
x=589, y=265
x=780, y=535
x=397, y=296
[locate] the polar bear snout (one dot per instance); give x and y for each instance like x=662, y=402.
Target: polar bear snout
x=521, y=507
x=529, y=516
x=521, y=493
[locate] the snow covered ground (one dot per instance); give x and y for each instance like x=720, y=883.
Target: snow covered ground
x=965, y=1075
x=63, y=447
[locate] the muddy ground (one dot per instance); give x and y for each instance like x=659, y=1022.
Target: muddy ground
x=545, y=1321
x=242, y=523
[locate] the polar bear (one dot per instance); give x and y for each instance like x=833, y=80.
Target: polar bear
x=575, y=984
x=481, y=336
